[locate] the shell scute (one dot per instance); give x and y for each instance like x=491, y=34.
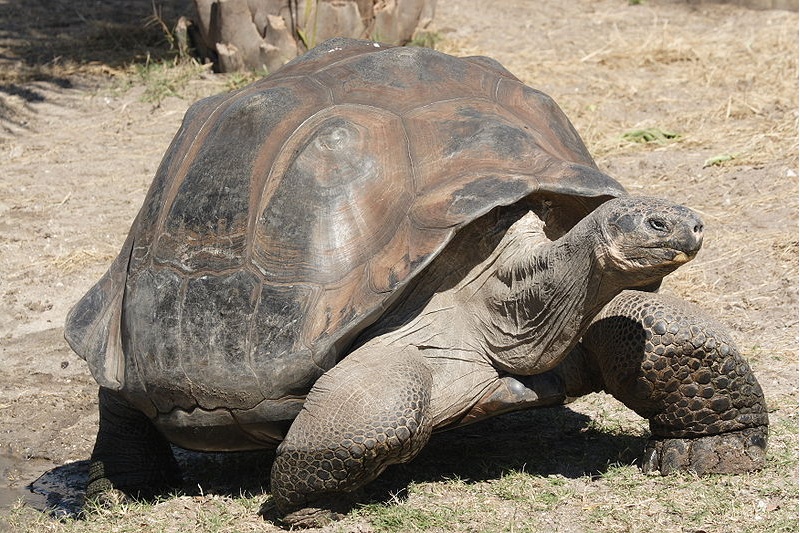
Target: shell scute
x=185, y=329
x=323, y=55
x=214, y=323
x=152, y=325
x=280, y=357
x=222, y=166
x=467, y=151
x=543, y=118
x=386, y=270
x=402, y=79
x=340, y=312
x=342, y=186
x=164, y=181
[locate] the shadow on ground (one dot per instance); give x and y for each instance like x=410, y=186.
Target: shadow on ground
x=542, y=442
x=42, y=40
x=552, y=441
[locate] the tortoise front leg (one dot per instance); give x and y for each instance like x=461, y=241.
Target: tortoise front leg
x=130, y=457
x=673, y=365
x=369, y=411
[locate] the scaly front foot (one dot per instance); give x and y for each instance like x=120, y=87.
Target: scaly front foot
x=726, y=453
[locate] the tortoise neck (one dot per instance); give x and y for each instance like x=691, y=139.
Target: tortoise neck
x=543, y=297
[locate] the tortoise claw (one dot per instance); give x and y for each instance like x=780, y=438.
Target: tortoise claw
x=311, y=517
x=105, y=499
x=318, y=513
x=726, y=453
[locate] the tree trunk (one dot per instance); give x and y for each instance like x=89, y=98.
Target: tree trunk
x=264, y=34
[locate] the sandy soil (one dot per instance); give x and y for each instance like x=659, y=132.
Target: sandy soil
x=79, y=146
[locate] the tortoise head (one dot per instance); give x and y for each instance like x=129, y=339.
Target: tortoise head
x=647, y=237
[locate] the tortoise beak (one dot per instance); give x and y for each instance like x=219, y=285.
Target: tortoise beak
x=690, y=241
x=682, y=257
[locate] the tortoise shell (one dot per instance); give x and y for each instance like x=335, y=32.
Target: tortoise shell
x=286, y=216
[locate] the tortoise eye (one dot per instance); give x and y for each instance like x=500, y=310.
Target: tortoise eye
x=658, y=224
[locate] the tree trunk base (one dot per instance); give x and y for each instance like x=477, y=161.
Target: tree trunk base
x=264, y=34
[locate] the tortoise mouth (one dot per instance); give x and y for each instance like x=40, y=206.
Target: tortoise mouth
x=682, y=257
x=672, y=258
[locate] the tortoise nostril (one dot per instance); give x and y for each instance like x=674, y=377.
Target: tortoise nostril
x=698, y=228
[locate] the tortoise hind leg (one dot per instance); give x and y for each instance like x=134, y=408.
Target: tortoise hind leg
x=369, y=411
x=130, y=457
x=676, y=367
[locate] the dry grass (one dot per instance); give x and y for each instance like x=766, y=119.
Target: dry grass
x=54, y=41
x=75, y=261
x=717, y=83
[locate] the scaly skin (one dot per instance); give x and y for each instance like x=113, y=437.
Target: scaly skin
x=130, y=457
x=675, y=366
x=351, y=428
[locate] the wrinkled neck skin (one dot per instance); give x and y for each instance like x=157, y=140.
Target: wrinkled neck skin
x=543, y=295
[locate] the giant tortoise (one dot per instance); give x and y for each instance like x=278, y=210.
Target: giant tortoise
x=374, y=243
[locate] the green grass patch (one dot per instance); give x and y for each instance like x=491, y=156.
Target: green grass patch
x=399, y=517
x=650, y=135
x=429, y=506
x=537, y=492
x=237, y=80
x=425, y=39
x=165, y=78
x=718, y=160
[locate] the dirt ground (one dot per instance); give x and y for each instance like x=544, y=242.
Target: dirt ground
x=81, y=137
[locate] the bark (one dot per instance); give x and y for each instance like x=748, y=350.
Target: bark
x=264, y=34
